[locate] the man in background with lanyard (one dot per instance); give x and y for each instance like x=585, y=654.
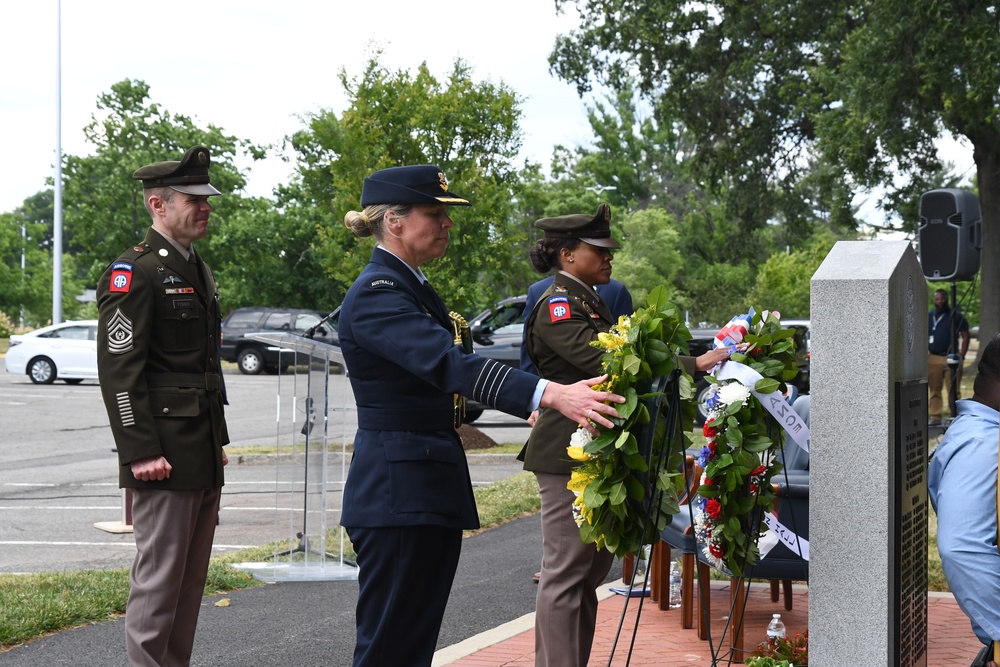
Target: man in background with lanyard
x=940, y=323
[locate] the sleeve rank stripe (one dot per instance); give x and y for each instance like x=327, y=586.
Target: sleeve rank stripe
x=490, y=381
x=125, y=409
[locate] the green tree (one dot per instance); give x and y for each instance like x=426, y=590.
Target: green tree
x=866, y=87
x=27, y=232
x=910, y=72
x=266, y=256
x=103, y=211
x=634, y=161
x=736, y=76
x=470, y=129
x=650, y=254
x=783, y=282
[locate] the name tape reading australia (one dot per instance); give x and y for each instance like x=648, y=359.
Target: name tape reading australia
x=119, y=333
x=383, y=282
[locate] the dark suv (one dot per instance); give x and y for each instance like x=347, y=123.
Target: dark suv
x=254, y=356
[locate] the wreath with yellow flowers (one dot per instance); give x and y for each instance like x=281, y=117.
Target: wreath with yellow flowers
x=629, y=475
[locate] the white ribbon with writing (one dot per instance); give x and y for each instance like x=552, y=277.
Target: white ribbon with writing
x=779, y=408
x=796, y=544
x=774, y=402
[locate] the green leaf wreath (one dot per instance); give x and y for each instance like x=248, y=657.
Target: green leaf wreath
x=743, y=438
x=612, y=507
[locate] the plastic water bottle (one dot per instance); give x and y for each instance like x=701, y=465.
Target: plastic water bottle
x=641, y=563
x=675, y=584
x=776, y=629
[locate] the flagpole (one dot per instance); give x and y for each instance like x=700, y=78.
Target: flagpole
x=57, y=243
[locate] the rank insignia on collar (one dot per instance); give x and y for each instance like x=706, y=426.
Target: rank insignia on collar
x=172, y=280
x=561, y=289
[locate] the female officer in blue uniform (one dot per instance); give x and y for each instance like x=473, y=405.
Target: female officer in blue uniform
x=408, y=494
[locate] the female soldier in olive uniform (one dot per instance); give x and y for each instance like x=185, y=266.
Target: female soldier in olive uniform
x=408, y=494
x=566, y=318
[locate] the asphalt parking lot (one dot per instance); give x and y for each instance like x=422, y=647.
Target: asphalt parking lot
x=58, y=469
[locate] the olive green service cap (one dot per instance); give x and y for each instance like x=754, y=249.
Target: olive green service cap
x=412, y=184
x=592, y=229
x=188, y=175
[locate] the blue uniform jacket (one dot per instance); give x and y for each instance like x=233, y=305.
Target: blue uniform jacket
x=409, y=467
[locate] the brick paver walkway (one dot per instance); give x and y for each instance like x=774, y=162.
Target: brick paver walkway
x=660, y=640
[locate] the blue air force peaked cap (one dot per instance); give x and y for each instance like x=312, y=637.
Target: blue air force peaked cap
x=188, y=175
x=592, y=229
x=414, y=184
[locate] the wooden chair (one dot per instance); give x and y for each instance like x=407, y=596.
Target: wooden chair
x=780, y=564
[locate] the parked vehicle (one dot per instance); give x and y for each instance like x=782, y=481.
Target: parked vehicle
x=497, y=333
x=252, y=356
x=66, y=351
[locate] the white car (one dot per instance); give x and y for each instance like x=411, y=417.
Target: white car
x=66, y=351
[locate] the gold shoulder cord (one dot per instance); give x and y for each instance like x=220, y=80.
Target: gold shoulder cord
x=464, y=339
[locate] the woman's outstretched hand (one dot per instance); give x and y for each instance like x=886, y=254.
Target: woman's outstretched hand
x=581, y=403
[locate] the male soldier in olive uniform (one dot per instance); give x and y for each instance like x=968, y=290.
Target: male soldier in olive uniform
x=157, y=357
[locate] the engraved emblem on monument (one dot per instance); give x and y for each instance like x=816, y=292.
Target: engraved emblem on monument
x=910, y=320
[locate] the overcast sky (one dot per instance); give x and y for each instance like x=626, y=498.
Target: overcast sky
x=253, y=67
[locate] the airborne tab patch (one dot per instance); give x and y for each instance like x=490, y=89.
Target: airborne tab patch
x=558, y=308
x=121, y=276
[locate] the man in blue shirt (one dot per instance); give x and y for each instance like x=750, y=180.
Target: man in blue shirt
x=962, y=482
x=940, y=322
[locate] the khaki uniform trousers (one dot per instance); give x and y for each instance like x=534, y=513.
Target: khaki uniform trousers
x=938, y=377
x=566, y=603
x=173, y=537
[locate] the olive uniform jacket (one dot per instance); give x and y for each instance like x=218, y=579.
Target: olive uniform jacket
x=566, y=318
x=158, y=363
x=398, y=341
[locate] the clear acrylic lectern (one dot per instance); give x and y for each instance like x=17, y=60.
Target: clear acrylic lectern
x=312, y=411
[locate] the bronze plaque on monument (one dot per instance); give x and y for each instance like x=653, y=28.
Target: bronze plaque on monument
x=908, y=623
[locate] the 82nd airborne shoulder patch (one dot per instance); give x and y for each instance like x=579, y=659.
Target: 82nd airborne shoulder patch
x=559, y=308
x=121, y=277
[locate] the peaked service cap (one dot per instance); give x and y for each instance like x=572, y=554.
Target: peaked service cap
x=414, y=184
x=592, y=229
x=188, y=175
